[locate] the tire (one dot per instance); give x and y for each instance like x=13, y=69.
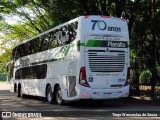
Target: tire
x=58, y=95
x=15, y=88
x=49, y=95
x=19, y=91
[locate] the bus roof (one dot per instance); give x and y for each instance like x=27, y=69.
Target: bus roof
x=73, y=20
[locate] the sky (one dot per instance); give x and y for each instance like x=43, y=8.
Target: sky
x=12, y=19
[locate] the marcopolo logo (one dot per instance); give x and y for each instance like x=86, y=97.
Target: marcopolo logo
x=101, y=25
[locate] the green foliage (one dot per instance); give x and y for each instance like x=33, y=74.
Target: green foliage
x=145, y=76
x=64, y=10
x=145, y=40
x=33, y=20
x=132, y=76
x=40, y=15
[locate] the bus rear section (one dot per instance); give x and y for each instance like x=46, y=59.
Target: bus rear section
x=105, y=71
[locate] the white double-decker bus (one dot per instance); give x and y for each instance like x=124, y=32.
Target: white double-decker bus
x=85, y=58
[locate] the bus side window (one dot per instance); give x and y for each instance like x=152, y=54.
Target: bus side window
x=44, y=42
x=41, y=71
x=53, y=41
x=30, y=46
x=17, y=74
x=71, y=32
x=36, y=44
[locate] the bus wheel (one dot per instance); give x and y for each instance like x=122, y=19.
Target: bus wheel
x=49, y=95
x=59, y=99
x=15, y=88
x=19, y=91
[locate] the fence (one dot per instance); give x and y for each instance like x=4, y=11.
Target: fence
x=3, y=77
x=145, y=90
x=145, y=78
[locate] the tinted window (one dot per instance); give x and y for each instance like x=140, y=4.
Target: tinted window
x=62, y=36
x=32, y=72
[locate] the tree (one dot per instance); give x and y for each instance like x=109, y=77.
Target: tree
x=145, y=37
x=40, y=15
x=33, y=21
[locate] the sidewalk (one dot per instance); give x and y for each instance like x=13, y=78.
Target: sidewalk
x=4, y=85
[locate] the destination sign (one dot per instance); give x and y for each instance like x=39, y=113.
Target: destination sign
x=117, y=44
x=103, y=43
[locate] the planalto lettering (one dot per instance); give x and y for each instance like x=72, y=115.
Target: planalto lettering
x=102, y=25
x=117, y=44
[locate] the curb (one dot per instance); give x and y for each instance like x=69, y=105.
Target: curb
x=143, y=98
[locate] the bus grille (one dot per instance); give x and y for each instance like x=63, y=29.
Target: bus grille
x=101, y=61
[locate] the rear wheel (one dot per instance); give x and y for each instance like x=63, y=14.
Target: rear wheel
x=15, y=88
x=59, y=99
x=49, y=95
x=19, y=91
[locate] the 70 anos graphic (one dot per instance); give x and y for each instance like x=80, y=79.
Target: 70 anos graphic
x=102, y=25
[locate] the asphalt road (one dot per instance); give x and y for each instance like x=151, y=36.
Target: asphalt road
x=110, y=109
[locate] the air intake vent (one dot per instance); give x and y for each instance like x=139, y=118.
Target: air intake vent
x=101, y=61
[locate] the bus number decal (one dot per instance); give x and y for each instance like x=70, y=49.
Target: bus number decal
x=121, y=80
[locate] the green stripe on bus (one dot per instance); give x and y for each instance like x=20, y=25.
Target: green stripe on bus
x=66, y=51
x=82, y=44
x=94, y=43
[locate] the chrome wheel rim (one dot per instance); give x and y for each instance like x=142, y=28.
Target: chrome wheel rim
x=59, y=96
x=49, y=95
